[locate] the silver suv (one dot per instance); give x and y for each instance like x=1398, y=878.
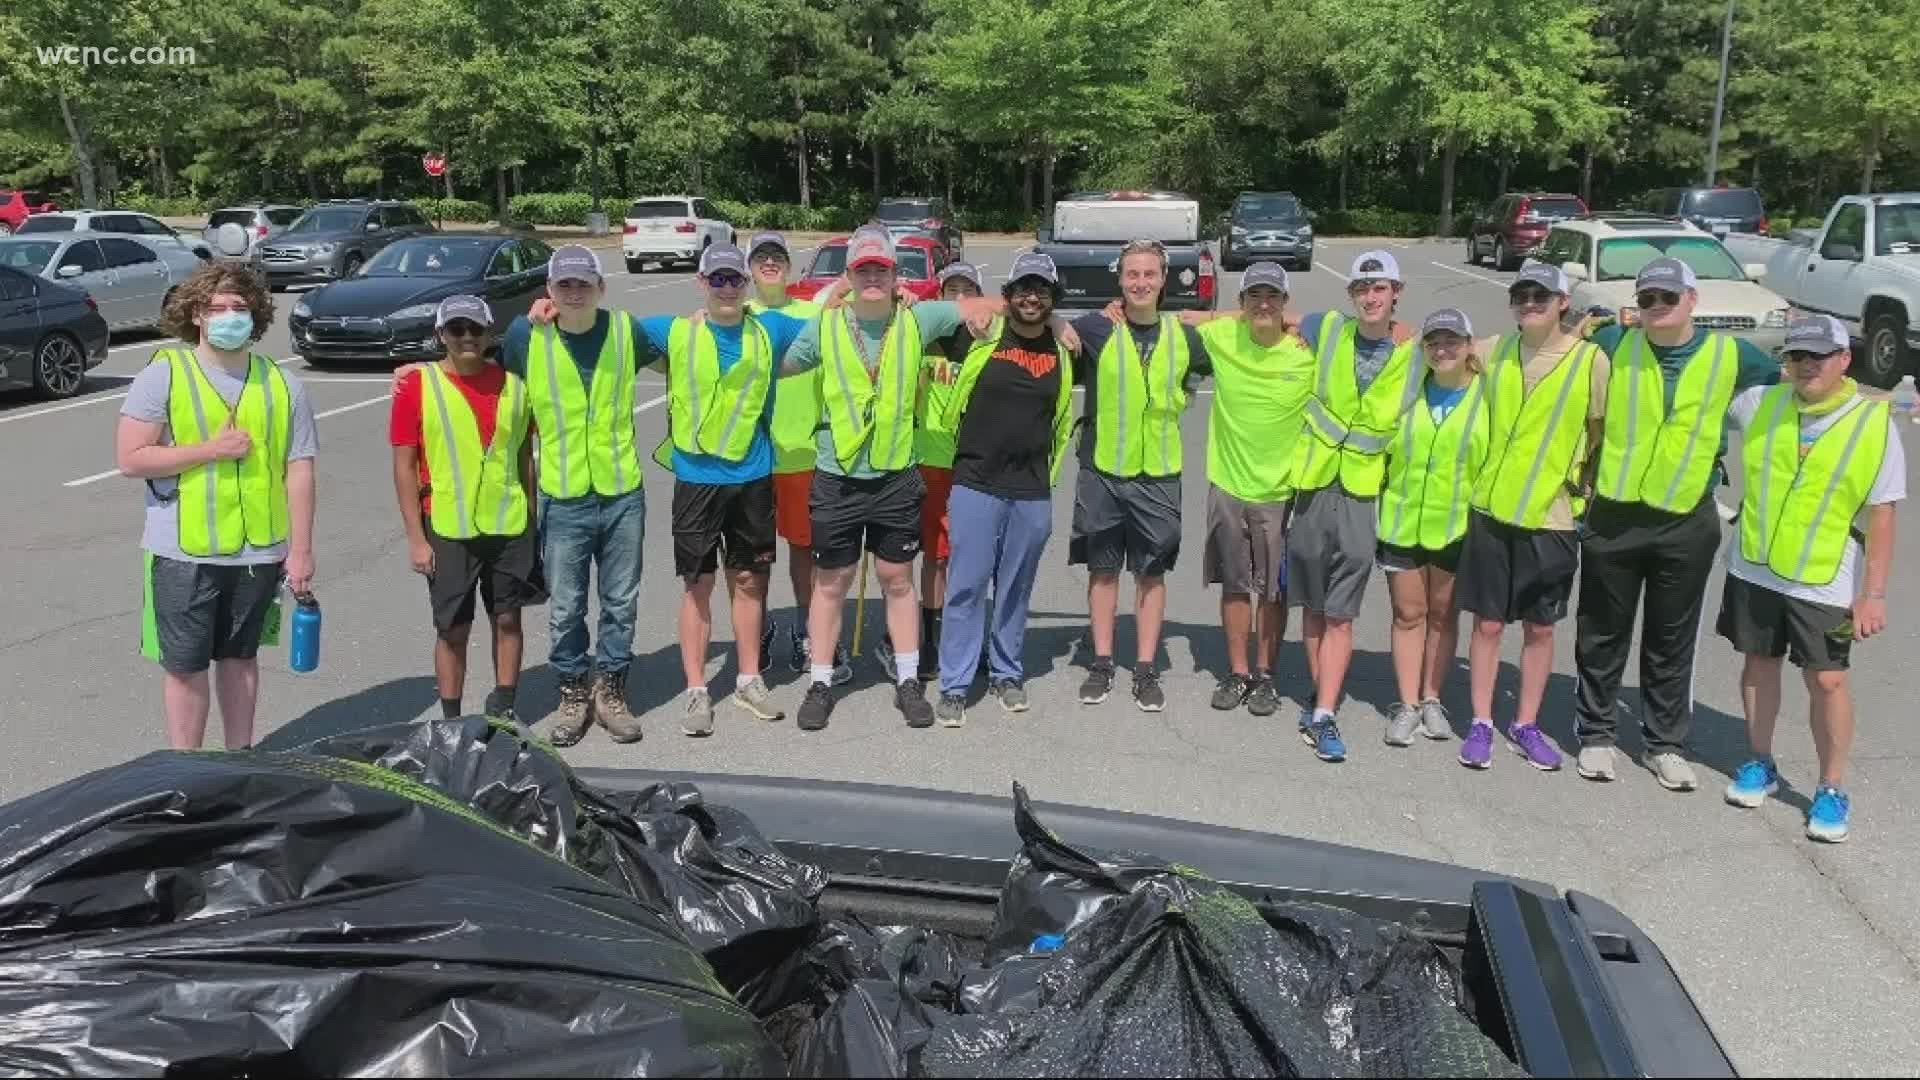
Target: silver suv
x=261, y=221
x=331, y=240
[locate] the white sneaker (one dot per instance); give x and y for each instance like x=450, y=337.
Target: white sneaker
x=1671, y=770
x=1595, y=763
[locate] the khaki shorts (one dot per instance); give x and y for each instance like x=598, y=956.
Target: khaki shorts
x=1246, y=546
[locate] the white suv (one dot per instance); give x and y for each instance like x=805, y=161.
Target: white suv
x=117, y=222
x=670, y=228
x=1603, y=253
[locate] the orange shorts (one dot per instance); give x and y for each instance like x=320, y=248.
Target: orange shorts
x=933, y=511
x=791, y=517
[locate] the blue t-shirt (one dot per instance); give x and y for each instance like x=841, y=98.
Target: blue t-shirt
x=1442, y=399
x=1370, y=355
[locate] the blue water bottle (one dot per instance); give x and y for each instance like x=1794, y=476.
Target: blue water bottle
x=304, y=653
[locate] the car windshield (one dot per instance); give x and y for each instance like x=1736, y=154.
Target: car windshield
x=29, y=256
x=230, y=217
x=47, y=223
x=905, y=211
x=831, y=261
x=658, y=208
x=438, y=257
x=327, y=221
x=1725, y=202
x=1896, y=229
x=1268, y=207
x=1621, y=260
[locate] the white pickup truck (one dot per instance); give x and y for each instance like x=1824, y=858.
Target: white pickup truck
x=1862, y=266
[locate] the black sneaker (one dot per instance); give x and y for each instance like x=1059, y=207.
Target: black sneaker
x=1146, y=689
x=883, y=655
x=929, y=664
x=910, y=697
x=1099, y=682
x=816, y=707
x=1264, y=698
x=1233, y=690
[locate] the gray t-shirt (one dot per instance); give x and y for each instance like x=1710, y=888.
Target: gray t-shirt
x=147, y=400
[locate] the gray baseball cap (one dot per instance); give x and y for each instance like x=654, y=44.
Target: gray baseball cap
x=1816, y=334
x=869, y=244
x=1545, y=275
x=572, y=262
x=962, y=270
x=1270, y=274
x=462, y=306
x=1034, y=264
x=1665, y=273
x=769, y=239
x=1449, y=320
x=719, y=257
x=1375, y=265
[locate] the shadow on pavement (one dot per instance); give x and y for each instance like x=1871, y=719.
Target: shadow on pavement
x=387, y=703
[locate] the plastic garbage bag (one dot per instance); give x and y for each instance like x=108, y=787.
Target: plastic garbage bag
x=298, y=915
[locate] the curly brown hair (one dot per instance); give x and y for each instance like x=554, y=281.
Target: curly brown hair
x=190, y=298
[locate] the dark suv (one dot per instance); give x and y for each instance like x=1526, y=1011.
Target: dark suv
x=1715, y=209
x=1513, y=226
x=927, y=216
x=1266, y=225
x=332, y=239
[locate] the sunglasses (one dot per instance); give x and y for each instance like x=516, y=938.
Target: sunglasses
x=726, y=279
x=1529, y=297
x=463, y=328
x=769, y=257
x=1656, y=298
x=1030, y=287
x=1809, y=357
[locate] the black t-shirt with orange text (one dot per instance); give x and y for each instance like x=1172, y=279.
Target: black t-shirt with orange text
x=1006, y=435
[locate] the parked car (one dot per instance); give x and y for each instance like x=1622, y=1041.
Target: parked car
x=1266, y=225
x=385, y=312
x=129, y=279
x=262, y=221
x=332, y=240
x=669, y=229
x=50, y=335
x=1513, y=226
x=905, y=216
x=148, y=228
x=1603, y=253
x=15, y=206
x=1088, y=229
x=919, y=258
x=1862, y=266
x=1714, y=209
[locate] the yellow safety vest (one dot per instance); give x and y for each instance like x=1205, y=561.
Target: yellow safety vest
x=1797, y=512
x=1648, y=455
x=879, y=405
x=227, y=506
x=1430, y=473
x=708, y=412
x=586, y=433
x=960, y=394
x=1347, y=432
x=934, y=444
x=796, y=405
x=1137, y=417
x=1539, y=439
x=476, y=488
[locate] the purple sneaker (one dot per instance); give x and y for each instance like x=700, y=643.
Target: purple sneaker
x=1529, y=743
x=1476, y=752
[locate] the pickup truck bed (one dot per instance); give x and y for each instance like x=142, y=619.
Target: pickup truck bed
x=1088, y=230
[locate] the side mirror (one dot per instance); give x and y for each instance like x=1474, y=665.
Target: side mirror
x=374, y=226
x=1574, y=271
x=230, y=239
x=1841, y=253
x=1754, y=270
x=69, y=270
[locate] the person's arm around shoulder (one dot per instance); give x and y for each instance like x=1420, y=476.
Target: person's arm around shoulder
x=650, y=339
x=1199, y=357
x=1756, y=368
x=137, y=452
x=303, y=446
x=1743, y=407
x=802, y=354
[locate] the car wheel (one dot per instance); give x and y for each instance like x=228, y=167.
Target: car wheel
x=59, y=367
x=1882, y=361
x=1473, y=250
x=1501, y=260
x=636, y=266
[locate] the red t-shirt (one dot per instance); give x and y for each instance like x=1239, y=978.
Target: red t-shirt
x=482, y=392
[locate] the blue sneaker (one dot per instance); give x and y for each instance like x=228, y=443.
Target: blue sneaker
x=1828, y=819
x=1751, y=785
x=1327, y=744
x=1306, y=723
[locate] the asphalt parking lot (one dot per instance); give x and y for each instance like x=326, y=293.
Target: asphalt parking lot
x=1805, y=959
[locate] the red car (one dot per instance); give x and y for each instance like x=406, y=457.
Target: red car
x=920, y=258
x=1515, y=225
x=16, y=205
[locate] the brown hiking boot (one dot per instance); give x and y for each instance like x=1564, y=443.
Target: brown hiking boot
x=610, y=706
x=569, y=720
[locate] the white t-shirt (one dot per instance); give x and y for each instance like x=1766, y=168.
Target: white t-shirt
x=1889, y=486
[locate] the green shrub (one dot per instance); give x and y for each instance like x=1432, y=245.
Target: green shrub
x=1373, y=221
x=554, y=208
x=444, y=209
x=984, y=219
x=142, y=203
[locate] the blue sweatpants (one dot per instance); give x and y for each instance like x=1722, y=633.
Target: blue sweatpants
x=997, y=545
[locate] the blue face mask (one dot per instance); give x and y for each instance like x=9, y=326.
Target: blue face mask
x=230, y=330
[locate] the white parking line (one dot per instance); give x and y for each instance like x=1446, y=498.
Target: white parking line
x=355, y=405
x=645, y=405
x=1495, y=282
x=31, y=413
x=1331, y=270
x=91, y=479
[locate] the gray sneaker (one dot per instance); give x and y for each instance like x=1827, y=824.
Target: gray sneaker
x=1595, y=763
x=1671, y=770
x=1433, y=721
x=1400, y=725
x=697, y=721
x=1011, y=695
x=952, y=710
x=757, y=701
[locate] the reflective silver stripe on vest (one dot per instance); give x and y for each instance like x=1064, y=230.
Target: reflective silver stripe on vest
x=1472, y=405
x=1124, y=334
x=515, y=418
x=840, y=371
x=622, y=326
x=1406, y=478
x=1167, y=326
x=1834, y=479
x=266, y=397
x=1700, y=419
x=1761, y=526
x=435, y=379
x=902, y=404
x=693, y=384
x=1576, y=364
x=559, y=407
x=746, y=392
x=192, y=372
x=1633, y=413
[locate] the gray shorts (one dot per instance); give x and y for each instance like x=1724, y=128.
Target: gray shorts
x=1330, y=551
x=1246, y=546
x=196, y=613
x=1135, y=522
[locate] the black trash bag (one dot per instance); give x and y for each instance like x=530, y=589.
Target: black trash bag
x=293, y=915
x=879, y=991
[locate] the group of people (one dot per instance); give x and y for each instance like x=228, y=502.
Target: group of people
x=1482, y=474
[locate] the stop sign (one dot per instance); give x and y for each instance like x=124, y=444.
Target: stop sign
x=435, y=164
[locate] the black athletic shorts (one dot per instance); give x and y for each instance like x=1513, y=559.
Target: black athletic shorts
x=1514, y=574
x=1132, y=522
x=1394, y=558
x=708, y=517
x=881, y=511
x=197, y=612
x=506, y=570
x=1761, y=622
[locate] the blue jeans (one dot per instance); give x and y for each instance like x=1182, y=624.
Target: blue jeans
x=576, y=533
x=996, y=542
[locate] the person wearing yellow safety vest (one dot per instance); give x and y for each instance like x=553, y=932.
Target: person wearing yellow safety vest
x=1821, y=470
x=1126, y=506
x=1435, y=457
x=225, y=441
x=1546, y=393
x=463, y=476
x=1009, y=414
x=796, y=412
x=1366, y=377
x=1654, y=523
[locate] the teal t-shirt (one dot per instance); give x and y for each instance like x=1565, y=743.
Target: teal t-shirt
x=1756, y=369
x=935, y=318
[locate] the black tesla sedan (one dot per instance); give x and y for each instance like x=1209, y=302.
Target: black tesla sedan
x=385, y=312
